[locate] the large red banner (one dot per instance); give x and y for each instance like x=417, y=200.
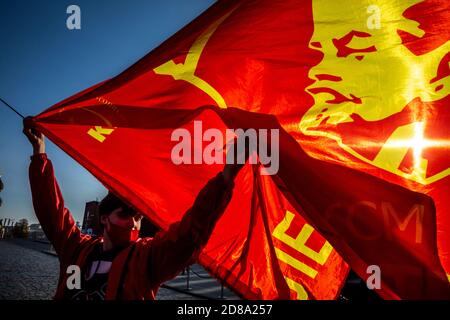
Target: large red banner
x=357, y=91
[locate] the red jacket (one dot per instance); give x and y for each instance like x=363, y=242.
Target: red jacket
x=139, y=270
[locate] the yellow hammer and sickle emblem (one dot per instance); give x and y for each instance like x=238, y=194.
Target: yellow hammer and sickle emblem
x=181, y=71
x=186, y=71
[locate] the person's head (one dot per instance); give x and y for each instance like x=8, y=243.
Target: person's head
x=120, y=222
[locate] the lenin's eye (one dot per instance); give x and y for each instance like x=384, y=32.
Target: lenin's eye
x=343, y=50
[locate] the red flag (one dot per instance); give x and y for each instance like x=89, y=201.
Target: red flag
x=359, y=87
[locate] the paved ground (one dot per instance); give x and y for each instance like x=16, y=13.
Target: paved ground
x=26, y=272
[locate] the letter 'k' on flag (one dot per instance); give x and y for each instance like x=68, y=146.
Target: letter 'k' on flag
x=358, y=90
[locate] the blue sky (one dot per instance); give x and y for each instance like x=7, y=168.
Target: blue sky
x=43, y=62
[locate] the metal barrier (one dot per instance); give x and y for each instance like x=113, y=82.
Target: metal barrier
x=188, y=289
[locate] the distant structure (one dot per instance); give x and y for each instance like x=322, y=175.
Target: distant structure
x=7, y=226
x=36, y=233
x=91, y=223
x=2, y=229
x=1, y=188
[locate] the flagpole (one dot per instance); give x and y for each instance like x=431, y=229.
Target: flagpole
x=9, y=106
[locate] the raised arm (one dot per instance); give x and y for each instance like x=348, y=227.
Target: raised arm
x=48, y=203
x=179, y=246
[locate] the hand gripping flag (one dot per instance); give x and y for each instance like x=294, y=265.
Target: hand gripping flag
x=358, y=91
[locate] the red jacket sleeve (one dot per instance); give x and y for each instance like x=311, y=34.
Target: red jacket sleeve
x=173, y=250
x=48, y=203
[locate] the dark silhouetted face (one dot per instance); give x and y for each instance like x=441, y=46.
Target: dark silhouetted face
x=122, y=226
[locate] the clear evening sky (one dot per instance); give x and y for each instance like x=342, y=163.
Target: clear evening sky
x=43, y=62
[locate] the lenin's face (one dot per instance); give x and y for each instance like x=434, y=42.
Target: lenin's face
x=366, y=72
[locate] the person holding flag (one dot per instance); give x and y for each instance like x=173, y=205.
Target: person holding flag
x=119, y=265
